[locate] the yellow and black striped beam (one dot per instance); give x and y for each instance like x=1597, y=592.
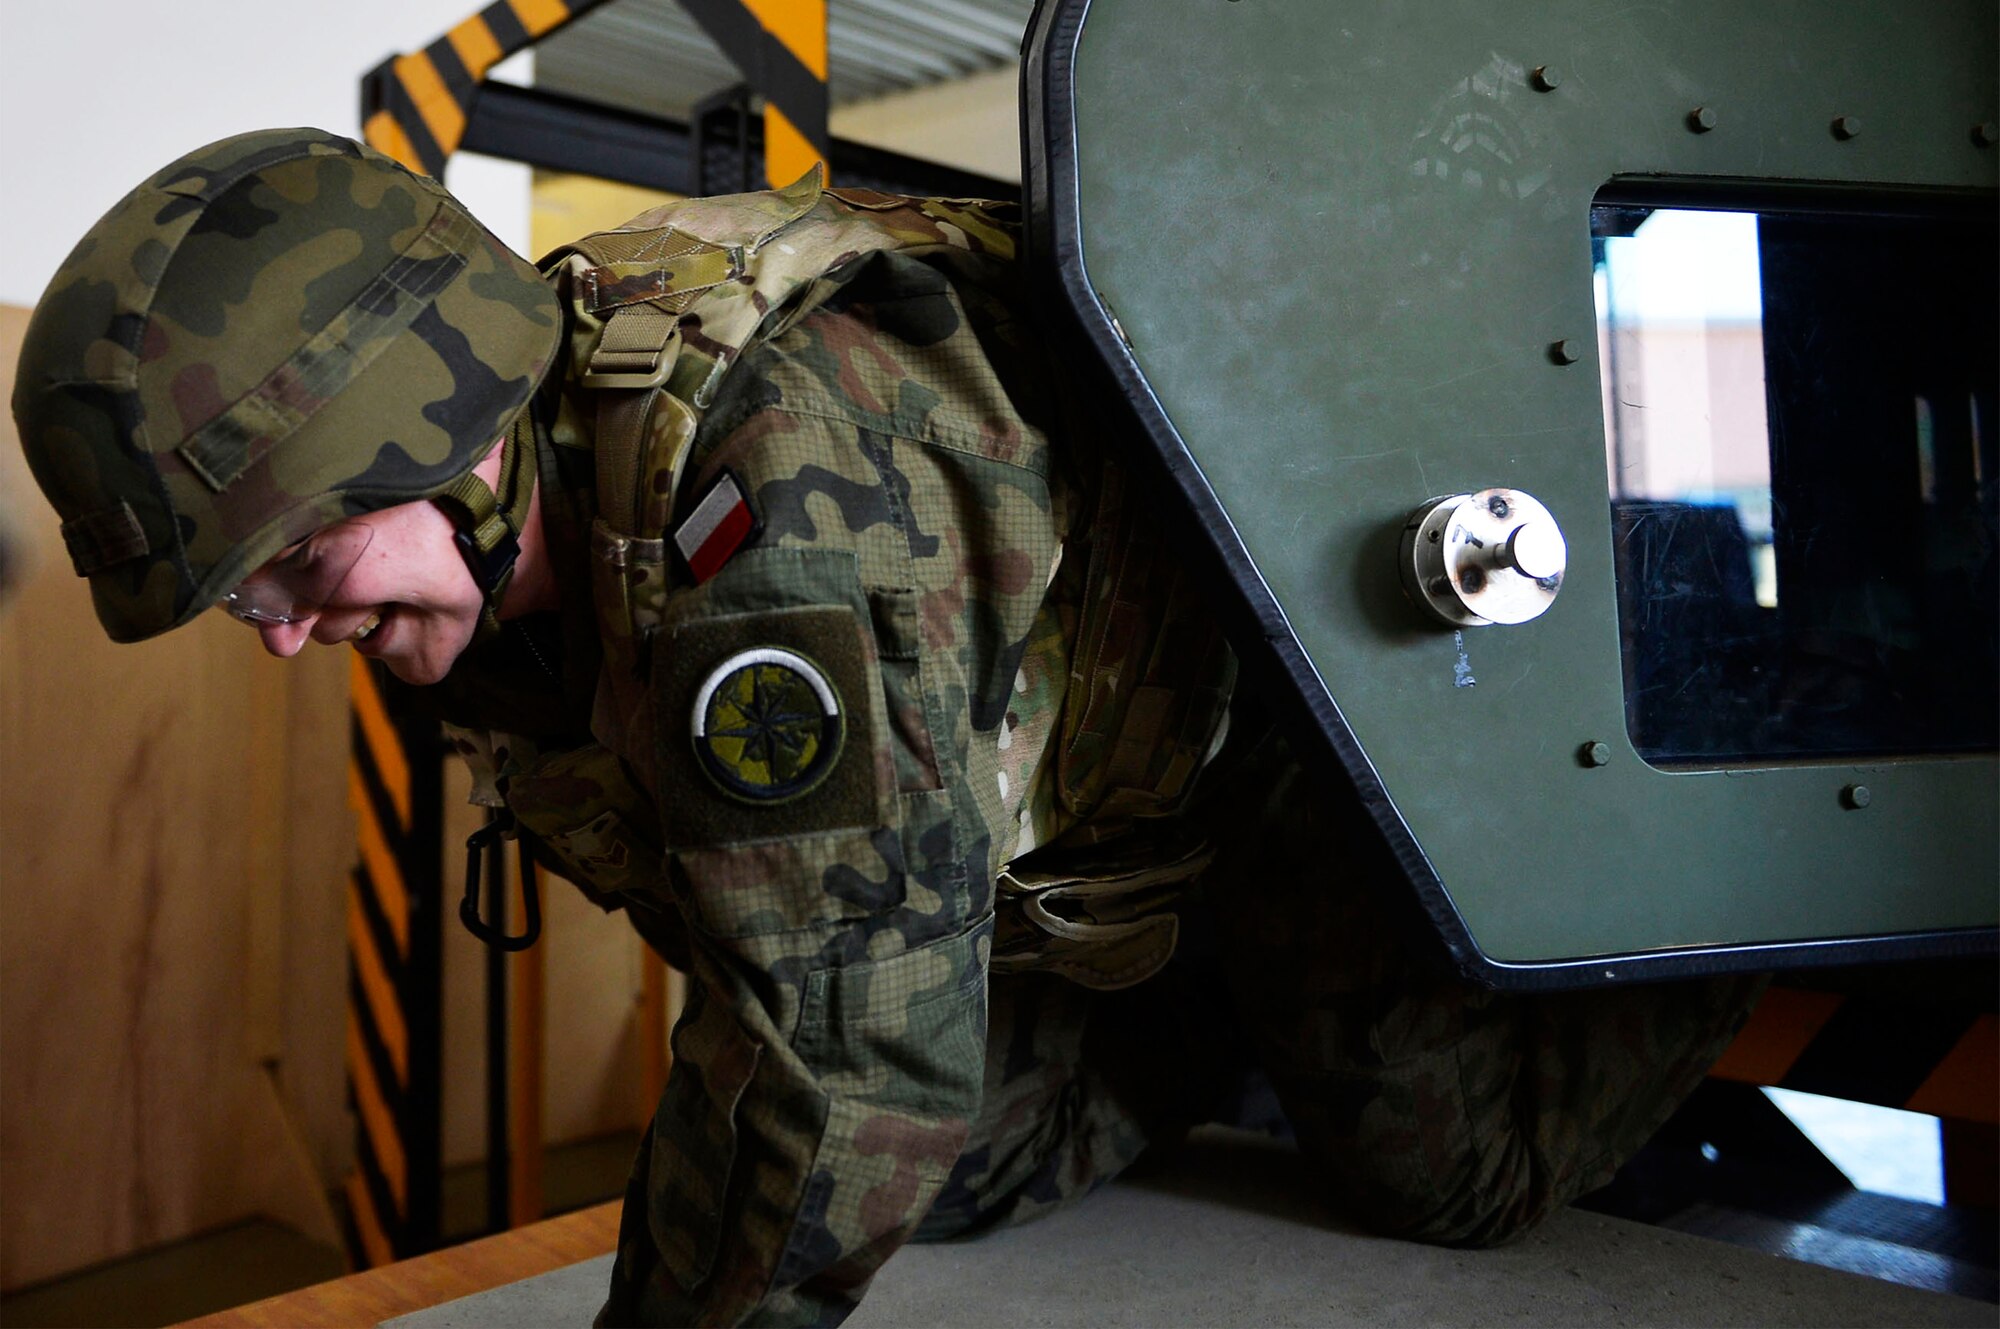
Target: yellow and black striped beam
x=395, y=977
x=414, y=107
x=780, y=45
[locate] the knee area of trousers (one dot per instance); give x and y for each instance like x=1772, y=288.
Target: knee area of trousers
x=1465, y=1221
x=1475, y=1199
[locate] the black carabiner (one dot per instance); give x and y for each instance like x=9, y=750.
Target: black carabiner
x=487, y=840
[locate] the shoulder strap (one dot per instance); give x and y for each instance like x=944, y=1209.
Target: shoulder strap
x=642, y=429
x=647, y=283
x=735, y=267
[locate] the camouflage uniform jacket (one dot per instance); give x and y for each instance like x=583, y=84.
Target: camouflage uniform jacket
x=947, y=643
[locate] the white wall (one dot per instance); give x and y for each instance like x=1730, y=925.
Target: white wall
x=972, y=123
x=95, y=95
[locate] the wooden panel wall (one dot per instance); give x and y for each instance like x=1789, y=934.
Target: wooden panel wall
x=173, y=840
x=174, y=843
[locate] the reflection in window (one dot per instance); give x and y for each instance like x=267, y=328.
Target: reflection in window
x=1798, y=411
x=1680, y=331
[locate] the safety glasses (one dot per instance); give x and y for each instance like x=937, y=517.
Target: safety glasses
x=302, y=580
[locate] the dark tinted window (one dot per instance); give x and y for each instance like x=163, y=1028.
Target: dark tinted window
x=1800, y=438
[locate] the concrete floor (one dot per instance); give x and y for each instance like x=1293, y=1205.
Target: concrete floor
x=1231, y=1234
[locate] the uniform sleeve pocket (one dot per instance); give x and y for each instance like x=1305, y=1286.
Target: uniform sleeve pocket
x=777, y=776
x=695, y=1137
x=771, y=726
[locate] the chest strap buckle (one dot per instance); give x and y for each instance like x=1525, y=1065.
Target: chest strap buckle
x=638, y=350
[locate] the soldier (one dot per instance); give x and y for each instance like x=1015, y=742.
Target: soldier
x=777, y=590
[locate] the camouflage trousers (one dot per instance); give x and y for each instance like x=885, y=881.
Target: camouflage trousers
x=1429, y=1109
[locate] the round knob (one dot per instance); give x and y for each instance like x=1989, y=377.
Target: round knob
x=1496, y=556
x=1536, y=550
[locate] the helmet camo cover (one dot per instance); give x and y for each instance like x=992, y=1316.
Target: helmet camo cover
x=276, y=331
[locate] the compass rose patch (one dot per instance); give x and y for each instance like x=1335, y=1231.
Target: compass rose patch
x=767, y=725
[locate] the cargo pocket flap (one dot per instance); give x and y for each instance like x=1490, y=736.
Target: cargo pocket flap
x=610, y=856
x=1106, y=921
x=586, y=809
x=773, y=738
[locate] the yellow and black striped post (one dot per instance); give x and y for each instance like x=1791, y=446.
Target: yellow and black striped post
x=395, y=938
x=414, y=107
x=780, y=45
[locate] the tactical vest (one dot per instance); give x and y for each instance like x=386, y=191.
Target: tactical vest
x=662, y=308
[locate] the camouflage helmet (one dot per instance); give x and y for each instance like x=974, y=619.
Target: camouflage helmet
x=274, y=332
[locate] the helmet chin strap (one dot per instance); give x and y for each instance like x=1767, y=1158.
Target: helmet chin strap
x=489, y=525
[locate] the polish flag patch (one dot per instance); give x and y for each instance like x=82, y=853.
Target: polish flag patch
x=717, y=528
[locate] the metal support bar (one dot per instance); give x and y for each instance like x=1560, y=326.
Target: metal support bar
x=526, y=1039
x=781, y=49
x=563, y=133
x=728, y=108
x=499, y=1162
x=422, y=107
x=413, y=107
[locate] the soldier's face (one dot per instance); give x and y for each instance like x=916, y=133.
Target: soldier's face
x=409, y=601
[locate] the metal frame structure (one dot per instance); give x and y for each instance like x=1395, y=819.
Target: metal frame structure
x=562, y=133
x=422, y=107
